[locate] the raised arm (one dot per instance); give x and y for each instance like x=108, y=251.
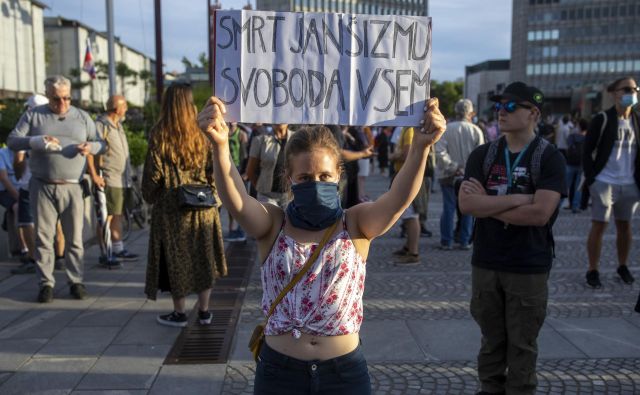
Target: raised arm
x=254, y=218
x=375, y=218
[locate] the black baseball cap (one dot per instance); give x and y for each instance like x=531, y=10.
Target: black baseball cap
x=519, y=92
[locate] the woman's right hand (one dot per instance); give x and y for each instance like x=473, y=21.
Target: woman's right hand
x=211, y=121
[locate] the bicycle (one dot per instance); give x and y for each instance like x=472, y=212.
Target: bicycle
x=134, y=212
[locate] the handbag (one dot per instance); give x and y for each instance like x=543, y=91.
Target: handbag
x=194, y=196
x=257, y=338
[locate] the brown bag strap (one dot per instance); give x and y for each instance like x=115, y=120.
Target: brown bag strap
x=325, y=238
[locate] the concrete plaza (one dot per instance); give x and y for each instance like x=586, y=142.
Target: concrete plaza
x=417, y=335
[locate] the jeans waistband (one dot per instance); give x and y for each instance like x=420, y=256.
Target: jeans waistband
x=269, y=355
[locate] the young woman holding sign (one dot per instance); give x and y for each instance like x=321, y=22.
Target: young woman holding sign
x=312, y=341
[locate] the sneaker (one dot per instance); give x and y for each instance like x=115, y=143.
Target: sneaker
x=593, y=279
x=25, y=268
x=445, y=247
x=46, y=294
x=625, y=274
x=78, y=291
x=401, y=252
x=205, y=317
x=174, y=319
x=424, y=232
x=407, y=260
x=110, y=263
x=464, y=247
x=125, y=255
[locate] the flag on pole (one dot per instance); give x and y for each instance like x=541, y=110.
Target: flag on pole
x=88, y=65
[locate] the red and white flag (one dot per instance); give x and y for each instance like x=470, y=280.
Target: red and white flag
x=88, y=65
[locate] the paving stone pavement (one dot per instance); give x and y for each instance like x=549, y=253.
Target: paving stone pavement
x=418, y=336
x=428, y=304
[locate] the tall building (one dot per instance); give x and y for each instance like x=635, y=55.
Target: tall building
x=375, y=7
x=22, y=49
x=571, y=49
x=483, y=80
x=67, y=42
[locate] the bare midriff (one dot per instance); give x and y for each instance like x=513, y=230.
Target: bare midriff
x=313, y=348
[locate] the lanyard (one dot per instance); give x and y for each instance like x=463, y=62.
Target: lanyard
x=510, y=168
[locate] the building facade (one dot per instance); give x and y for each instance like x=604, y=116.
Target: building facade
x=571, y=49
x=67, y=42
x=387, y=7
x=22, y=48
x=483, y=80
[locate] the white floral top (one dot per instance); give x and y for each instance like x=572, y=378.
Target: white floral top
x=328, y=299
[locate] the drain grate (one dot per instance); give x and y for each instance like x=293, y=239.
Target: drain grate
x=204, y=344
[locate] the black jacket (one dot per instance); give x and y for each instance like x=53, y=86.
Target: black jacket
x=596, y=154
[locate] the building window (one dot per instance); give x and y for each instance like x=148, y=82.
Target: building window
x=636, y=65
x=628, y=66
x=553, y=68
x=555, y=34
x=531, y=36
x=620, y=66
x=611, y=66
x=537, y=69
x=529, y=69
x=545, y=69
x=569, y=68
x=585, y=67
x=562, y=68
x=594, y=67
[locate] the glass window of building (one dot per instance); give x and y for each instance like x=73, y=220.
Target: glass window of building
x=555, y=34
x=569, y=68
x=620, y=66
x=585, y=67
x=577, y=68
x=594, y=67
x=562, y=68
x=553, y=68
x=636, y=65
x=614, y=11
x=529, y=69
x=596, y=12
x=628, y=65
x=537, y=69
x=545, y=69
x=531, y=36
x=611, y=66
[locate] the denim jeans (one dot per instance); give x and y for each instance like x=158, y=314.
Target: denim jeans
x=279, y=374
x=574, y=175
x=447, y=219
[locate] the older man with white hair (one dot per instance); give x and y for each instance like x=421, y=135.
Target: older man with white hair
x=452, y=151
x=59, y=136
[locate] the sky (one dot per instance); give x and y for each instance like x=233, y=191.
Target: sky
x=465, y=32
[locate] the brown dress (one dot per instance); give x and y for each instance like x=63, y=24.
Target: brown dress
x=186, y=251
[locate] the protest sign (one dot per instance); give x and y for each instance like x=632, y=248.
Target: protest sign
x=322, y=68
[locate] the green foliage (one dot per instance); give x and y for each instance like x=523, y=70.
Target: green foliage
x=448, y=93
x=10, y=113
x=201, y=93
x=137, y=147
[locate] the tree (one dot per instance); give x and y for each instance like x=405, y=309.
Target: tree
x=147, y=79
x=123, y=71
x=448, y=93
x=202, y=58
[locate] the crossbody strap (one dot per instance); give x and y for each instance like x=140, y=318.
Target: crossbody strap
x=304, y=270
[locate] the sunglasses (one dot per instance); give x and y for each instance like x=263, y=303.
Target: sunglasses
x=629, y=89
x=59, y=99
x=509, y=106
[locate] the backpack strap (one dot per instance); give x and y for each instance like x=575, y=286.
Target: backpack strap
x=536, y=160
x=605, y=120
x=490, y=157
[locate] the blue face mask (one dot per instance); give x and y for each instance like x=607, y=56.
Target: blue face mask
x=315, y=205
x=628, y=100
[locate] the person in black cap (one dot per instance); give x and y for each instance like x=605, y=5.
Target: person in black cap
x=513, y=187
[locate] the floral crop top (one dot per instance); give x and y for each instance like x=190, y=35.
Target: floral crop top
x=327, y=301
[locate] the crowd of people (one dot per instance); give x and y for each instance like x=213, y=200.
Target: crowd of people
x=300, y=192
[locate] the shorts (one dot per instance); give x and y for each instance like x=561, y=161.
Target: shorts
x=25, y=216
x=621, y=199
x=409, y=213
x=363, y=167
x=6, y=200
x=116, y=200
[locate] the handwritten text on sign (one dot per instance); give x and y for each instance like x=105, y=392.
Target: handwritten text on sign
x=315, y=68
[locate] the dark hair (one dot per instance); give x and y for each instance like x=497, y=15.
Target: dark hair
x=309, y=138
x=614, y=85
x=584, y=124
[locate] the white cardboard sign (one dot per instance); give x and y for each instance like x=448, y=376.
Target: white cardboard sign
x=322, y=68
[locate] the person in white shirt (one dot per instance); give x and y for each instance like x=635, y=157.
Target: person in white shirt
x=612, y=171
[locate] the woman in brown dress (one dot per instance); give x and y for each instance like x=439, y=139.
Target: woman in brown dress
x=186, y=252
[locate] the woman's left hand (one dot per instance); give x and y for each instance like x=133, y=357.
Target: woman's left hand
x=432, y=126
